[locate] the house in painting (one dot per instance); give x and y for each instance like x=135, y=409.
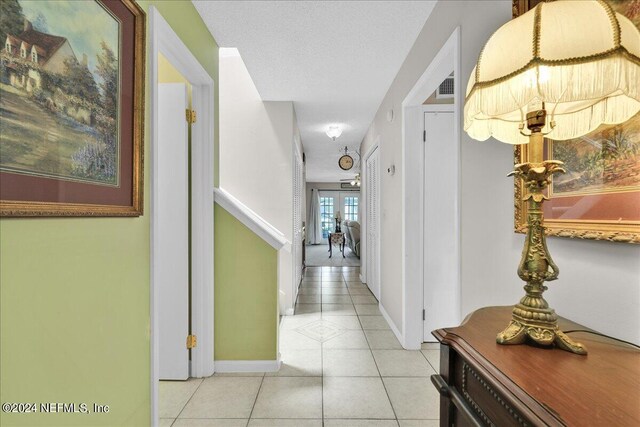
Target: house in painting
x=39, y=51
x=31, y=56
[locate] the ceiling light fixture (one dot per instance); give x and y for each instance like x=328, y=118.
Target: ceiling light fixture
x=334, y=132
x=355, y=182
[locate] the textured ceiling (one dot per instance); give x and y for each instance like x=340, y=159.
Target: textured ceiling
x=334, y=59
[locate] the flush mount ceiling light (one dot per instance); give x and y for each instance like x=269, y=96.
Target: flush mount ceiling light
x=334, y=132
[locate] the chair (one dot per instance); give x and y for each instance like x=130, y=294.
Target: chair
x=344, y=226
x=354, y=237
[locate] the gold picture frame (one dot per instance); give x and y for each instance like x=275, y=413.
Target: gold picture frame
x=611, y=227
x=94, y=193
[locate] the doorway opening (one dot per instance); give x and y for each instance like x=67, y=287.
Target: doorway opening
x=181, y=200
x=431, y=192
x=439, y=220
x=371, y=239
x=338, y=213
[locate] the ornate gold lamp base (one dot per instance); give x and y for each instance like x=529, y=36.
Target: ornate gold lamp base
x=532, y=319
x=541, y=332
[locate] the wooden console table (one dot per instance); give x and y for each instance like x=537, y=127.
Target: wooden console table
x=482, y=383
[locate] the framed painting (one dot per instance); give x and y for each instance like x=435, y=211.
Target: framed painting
x=599, y=196
x=71, y=108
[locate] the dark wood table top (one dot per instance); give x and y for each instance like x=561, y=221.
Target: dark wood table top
x=599, y=389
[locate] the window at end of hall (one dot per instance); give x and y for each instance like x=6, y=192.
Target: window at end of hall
x=351, y=208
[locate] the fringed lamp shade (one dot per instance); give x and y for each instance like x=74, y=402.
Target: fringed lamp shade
x=580, y=58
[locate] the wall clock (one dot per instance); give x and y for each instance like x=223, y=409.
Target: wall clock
x=345, y=162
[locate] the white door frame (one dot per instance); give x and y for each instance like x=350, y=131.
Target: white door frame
x=364, y=203
x=164, y=40
x=446, y=60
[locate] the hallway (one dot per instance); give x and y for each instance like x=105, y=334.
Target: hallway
x=341, y=366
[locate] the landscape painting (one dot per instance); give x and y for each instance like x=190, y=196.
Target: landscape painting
x=59, y=91
x=604, y=161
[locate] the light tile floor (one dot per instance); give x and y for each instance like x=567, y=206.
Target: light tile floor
x=342, y=366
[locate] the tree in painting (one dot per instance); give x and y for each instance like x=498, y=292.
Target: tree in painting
x=607, y=160
x=10, y=17
x=95, y=159
x=59, y=90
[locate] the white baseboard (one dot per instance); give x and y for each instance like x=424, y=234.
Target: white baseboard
x=247, y=365
x=289, y=312
x=392, y=325
x=362, y=278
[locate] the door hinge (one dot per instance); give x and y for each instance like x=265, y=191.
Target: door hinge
x=192, y=341
x=191, y=116
x=424, y=315
x=424, y=136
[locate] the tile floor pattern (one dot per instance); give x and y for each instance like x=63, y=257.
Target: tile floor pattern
x=342, y=366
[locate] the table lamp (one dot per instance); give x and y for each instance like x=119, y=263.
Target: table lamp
x=560, y=70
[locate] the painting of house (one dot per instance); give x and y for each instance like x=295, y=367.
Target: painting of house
x=57, y=106
x=46, y=50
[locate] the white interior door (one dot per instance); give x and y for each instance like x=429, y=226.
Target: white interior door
x=172, y=258
x=373, y=222
x=440, y=277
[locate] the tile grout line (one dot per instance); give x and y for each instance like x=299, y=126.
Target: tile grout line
x=322, y=382
x=190, y=397
x=256, y=399
x=380, y=375
x=425, y=358
x=321, y=353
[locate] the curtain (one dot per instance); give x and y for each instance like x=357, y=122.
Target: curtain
x=314, y=235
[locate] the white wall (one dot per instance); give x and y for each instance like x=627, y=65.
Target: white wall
x=256, y=161
x=599, y=284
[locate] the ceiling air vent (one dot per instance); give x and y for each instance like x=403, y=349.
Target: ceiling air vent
x=445, y=90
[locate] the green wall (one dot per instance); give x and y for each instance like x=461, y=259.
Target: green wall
x=74, y=294
x=246, y=292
